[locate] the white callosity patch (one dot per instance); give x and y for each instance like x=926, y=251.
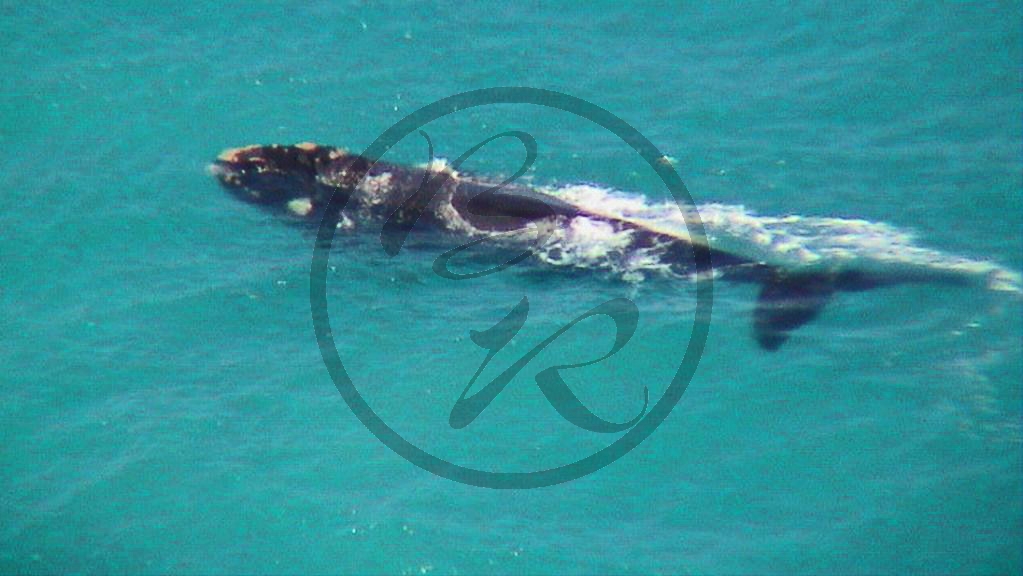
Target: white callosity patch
x=300, y=206
x=375, y=188
x=791, y=242
x=233, y=155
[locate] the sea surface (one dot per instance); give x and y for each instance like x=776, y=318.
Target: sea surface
x=166, y=408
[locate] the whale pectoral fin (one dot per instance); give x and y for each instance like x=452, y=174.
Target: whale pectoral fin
x=786, y=302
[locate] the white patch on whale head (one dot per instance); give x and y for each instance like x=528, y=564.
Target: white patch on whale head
x=375, y=187
x=232, y=155
x=300, y=206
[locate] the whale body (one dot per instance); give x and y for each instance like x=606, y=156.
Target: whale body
x=799, y=262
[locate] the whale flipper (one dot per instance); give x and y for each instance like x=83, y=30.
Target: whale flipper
x=786, y=302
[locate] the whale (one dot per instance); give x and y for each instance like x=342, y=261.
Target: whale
x=800, y=263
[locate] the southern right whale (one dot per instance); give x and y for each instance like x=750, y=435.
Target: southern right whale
x=799, y=262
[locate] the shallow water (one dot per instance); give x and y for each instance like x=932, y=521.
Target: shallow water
x=167, y=408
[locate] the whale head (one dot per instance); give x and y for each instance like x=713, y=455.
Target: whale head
x=275, y=176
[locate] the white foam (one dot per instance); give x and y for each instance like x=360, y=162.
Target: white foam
x=438, y=164
x=585, y=243
x=792, y=241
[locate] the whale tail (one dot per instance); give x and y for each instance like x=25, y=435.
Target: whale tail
x=790, y=299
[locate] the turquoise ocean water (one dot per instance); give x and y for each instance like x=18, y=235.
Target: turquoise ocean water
x=166, y=408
